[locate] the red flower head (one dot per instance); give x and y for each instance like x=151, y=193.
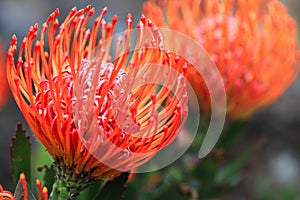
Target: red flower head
x=81, y=103
x=4, y=89
x=253, y=43
x=5, y=195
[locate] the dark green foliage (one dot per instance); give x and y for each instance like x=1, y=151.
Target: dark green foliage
x=21, y=155
x=114, y=189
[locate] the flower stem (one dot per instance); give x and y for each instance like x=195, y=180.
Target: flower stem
x=68, y=184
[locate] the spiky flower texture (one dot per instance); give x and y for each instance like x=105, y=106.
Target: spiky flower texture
x=68, y=95
x=252, y=42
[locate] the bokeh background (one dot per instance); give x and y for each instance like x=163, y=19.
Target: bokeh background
x=274, y=167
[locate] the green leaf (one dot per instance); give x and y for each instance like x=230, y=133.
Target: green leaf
x=231, y=134
x=235, y=166
x=45, y=173
x=49, y=178
x=19, y=192
x=41, y=159
x=21, y=155
x=176, y=174
x=206, y=169
x=89, y=193
x=114, y=189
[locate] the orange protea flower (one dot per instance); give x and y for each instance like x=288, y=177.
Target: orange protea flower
x=68, y=95
x=4, y=89
x=7, y=195
x=252, y=42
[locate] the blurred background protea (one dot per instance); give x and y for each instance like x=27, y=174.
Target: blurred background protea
x=253, y=43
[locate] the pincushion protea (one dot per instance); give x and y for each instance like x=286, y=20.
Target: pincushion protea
x=7, y=195
x=68, y=95
x=4, y=89
x=252, y=42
